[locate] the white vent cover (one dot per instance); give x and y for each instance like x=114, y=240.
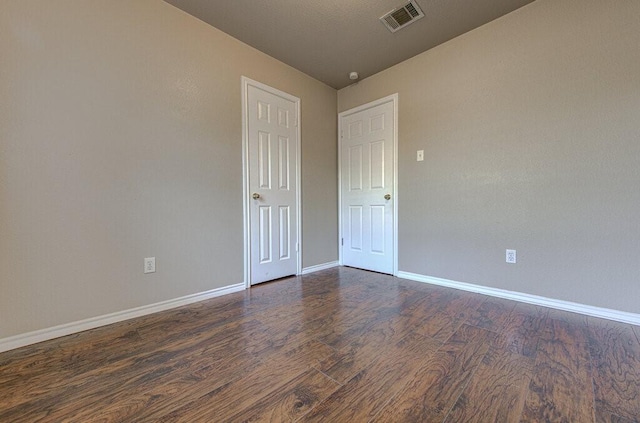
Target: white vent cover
x=400, y=17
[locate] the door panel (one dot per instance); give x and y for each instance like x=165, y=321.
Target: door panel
x=367, y=160
x=285, y=230
x=355, y=168
x=377, y=230
x=264, y=159
x=264, y=234
x=283, y=163
x=355, y=228
x=377, y=164
x=272, y=179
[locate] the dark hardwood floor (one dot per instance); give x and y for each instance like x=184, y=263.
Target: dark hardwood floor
x=341, y=345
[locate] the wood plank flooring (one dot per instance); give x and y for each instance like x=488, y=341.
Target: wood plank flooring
x=341, y=345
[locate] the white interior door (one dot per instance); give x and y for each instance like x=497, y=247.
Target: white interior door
x=367, y=155
x=272, y=143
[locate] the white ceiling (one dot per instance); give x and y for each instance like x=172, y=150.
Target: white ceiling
x=327, y=39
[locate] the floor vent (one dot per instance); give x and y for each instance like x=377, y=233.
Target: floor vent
x=400, y=17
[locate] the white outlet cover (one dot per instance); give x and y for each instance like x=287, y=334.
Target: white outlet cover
x=420, y=156
x=150, y=265
x=511, y=256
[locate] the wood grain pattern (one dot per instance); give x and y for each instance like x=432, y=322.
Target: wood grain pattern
x=431, y=391
x=523, y=329
x=447, y=316
x=337, y=345
x=603, y=416
x=361, y=397
x=492, y=314
x=385, y=330
x=615, y=354
x=497, y=390
x=292, y=401
x=561, y=388
x=257, y=398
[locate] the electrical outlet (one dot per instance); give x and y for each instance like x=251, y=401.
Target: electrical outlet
x=150, y=265
x=511, y=256
x=420, y=156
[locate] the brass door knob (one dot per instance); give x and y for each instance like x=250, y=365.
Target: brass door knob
x=255, y=195
x=387, y=196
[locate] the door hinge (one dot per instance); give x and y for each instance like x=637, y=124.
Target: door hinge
x=342, y=241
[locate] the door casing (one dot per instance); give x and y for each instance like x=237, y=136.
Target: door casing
x=394, y=99
x=246, y=193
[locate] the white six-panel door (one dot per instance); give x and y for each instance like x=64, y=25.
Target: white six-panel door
x=272, y=183
x=367, y=148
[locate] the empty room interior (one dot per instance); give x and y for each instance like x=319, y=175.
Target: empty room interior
x=336, y=211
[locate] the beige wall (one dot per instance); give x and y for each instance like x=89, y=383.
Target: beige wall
x=531, y=131
x=120, y=138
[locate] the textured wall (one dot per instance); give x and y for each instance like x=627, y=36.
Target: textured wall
x=531, y=131
x=120, y=138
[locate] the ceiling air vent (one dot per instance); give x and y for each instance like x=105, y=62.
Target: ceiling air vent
x=400, y=17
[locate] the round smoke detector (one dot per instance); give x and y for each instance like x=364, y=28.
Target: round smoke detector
x=353, y=76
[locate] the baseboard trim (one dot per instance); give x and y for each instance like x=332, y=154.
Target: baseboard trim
x=319, y=267
x=34, y=337
x=604, y=313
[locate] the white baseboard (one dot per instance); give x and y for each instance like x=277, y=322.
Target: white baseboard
x=319, y=267
x=34, y=337
x=604, y=313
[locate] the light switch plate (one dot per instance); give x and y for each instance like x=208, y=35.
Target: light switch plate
x=420, y=156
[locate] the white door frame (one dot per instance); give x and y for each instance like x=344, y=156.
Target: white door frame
x=246, y=82
x=394, y=99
